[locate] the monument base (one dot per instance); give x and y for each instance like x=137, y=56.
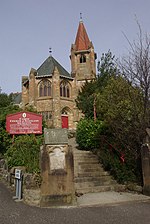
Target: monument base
x=146, y=190
x=57, y=200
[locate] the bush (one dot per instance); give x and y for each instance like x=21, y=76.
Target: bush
x=123, y=171
x=117, y=169
x=96, y=136
x=5, y=137
x=25, y=152
x=88, y=132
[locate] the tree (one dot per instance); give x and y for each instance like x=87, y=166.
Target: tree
x=24, y=152
x=119, y=105
x=4, y=100
x=88, y=93
x=106, y=65
x=136, y=69
x=5, y=138
x=85, y=99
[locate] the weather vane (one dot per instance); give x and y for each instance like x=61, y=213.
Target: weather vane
x=80, y=16
x=50, y=51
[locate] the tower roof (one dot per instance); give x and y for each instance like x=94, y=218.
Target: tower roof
x=48, y=66
x=82, y=41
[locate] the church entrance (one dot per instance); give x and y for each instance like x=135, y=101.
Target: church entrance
x=64, y=121
x=66, y=118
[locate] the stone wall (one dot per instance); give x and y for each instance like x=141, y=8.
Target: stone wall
x=54, y=103
x=145, y=154
x=31, y=189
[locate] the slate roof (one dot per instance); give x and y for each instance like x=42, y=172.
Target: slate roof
x=48, y=66
x=16, y=98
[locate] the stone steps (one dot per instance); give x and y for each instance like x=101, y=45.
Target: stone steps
x=86, y=163
x=94, y=184
x=99, y=179
x=89, y=175
x=91, y=167
x=95, y=189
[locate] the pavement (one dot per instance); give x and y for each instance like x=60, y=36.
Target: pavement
x=91, y=208
x=105, y=198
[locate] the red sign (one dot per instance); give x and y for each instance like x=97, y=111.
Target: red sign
x=24, y=123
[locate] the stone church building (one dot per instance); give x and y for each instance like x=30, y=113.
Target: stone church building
x=52, y=91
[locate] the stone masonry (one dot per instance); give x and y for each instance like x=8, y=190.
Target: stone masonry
x=54, y=103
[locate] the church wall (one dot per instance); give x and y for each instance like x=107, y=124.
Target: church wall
x=32, y=87
x=25, y=95
x=93, y=57
x=56, y=98
x=44, y=104
x=81, y=70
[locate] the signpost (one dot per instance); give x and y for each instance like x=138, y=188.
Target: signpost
x=18, y=178
x=18, y=174
x=24, y=123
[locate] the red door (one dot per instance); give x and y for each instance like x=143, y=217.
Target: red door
x=64, y=121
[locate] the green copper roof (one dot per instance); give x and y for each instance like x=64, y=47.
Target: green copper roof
x=48, y=66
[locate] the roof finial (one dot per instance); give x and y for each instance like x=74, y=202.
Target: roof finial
x=80, y=16
x=50, y=51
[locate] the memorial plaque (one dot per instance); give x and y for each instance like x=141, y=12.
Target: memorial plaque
x=57, y=159
x=56, y=136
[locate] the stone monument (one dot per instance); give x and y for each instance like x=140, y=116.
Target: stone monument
x=57, y=171
x=145, y=155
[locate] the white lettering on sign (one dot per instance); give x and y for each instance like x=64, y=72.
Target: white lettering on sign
x=24, y=123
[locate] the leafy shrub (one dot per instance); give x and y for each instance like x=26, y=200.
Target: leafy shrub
x=123, y=171
x=87, y=133
x=24, y=152
x=5, y=138
x=92, y=136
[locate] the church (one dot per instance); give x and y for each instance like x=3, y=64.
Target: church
x=52, y=91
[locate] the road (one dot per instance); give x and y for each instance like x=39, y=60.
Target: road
x=12, y=212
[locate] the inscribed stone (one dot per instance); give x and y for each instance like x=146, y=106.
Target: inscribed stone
x=56, y=136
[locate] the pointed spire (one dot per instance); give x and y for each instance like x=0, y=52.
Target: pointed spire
x=82, y=41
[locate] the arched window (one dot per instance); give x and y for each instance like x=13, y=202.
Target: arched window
x=82, y=58
x=64, y=89
x=45, y=88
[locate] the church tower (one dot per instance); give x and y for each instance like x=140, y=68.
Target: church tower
x=82, y=57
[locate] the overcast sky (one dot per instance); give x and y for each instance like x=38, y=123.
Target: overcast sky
x=29, y=27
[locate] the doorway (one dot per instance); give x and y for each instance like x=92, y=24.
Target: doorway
x=64, y=121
